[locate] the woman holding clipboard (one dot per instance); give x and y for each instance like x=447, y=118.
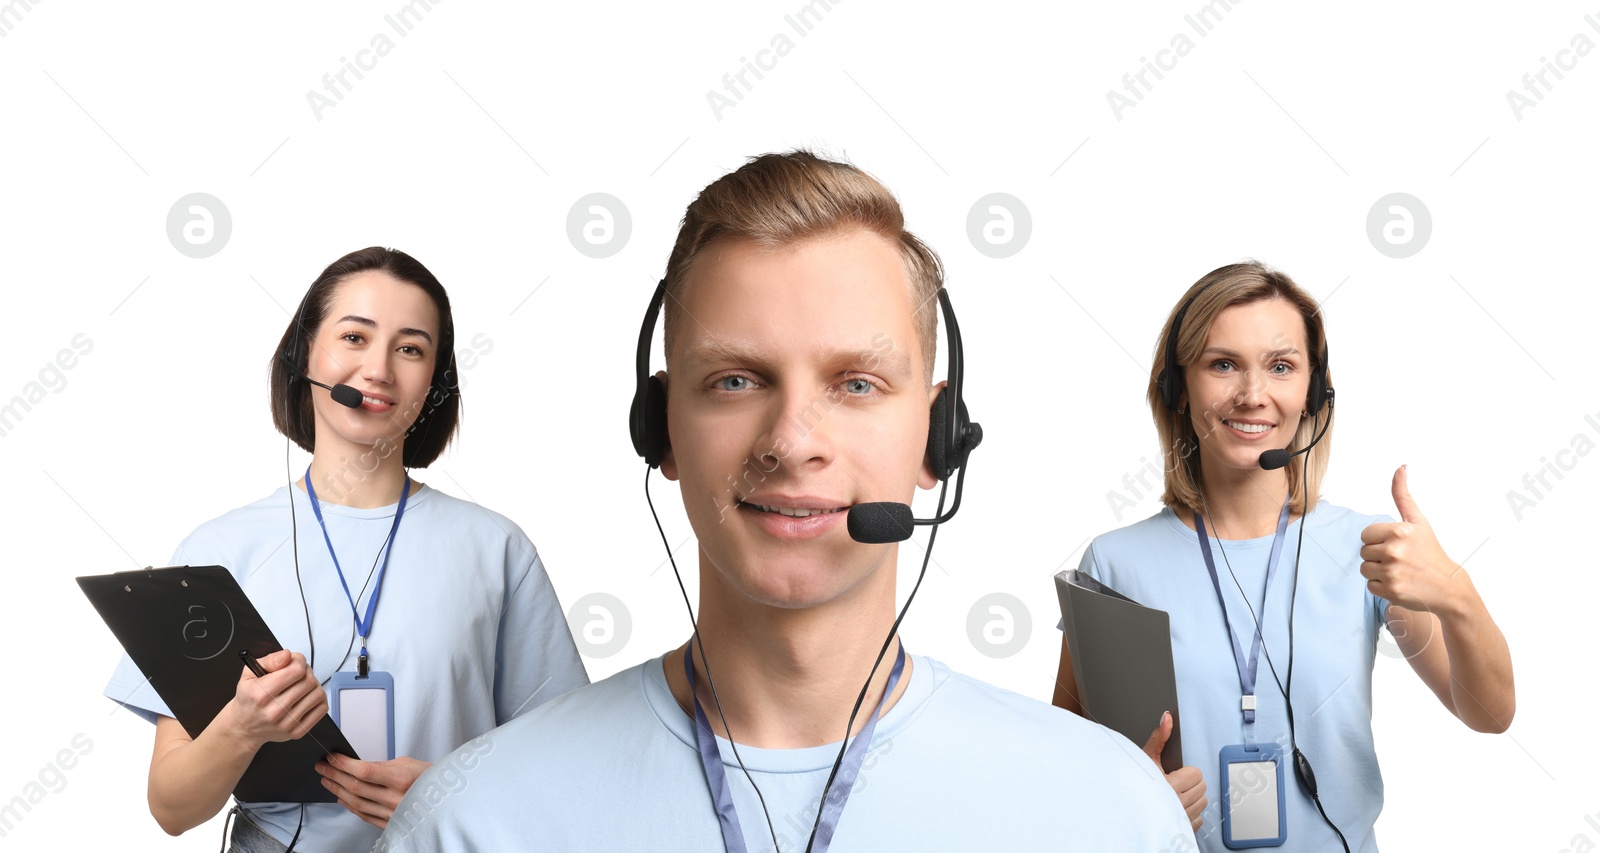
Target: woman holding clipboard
x=438, y=606
x=1277, y=735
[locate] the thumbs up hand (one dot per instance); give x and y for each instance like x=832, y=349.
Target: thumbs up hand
x=1186, y=782
x=1403, y=561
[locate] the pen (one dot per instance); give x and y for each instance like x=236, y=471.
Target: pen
x=250, y=661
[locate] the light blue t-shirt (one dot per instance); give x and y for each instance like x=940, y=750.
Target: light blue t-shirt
x=955, y=765
x=1157, y=562
x=467, y=624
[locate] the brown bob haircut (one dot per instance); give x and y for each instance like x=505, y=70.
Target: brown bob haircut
x=1224, y=287
x=435, y=425
x=778, y=200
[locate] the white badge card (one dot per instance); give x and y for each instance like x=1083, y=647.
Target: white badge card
x=363, y=708
x=1252, y=796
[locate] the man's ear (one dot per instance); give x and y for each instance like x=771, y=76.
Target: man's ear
x=669, y=464
x=925, y=477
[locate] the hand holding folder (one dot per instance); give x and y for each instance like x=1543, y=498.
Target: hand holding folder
x=1121, y=661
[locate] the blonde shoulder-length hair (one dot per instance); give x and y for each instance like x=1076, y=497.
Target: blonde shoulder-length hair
x=1235, y=284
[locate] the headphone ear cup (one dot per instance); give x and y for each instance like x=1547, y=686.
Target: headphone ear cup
x=946, y=452
x=1319, y=393
x=1167, y=385
x=650, y=422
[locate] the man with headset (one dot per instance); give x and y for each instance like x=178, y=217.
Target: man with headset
x=798, y=415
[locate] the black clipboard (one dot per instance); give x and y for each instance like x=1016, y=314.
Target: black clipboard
x=1121, y=660
x=184, y=627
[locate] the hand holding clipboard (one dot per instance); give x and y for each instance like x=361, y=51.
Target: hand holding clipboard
x=279, y=699
x=184, y=627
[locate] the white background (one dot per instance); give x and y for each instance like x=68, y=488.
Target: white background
x=468, y=142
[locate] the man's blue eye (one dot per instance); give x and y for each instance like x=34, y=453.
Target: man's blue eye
x=858, y=386
x=724, y=383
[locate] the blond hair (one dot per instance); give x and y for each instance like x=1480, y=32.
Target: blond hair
x=1224, y=287
x=781, y=199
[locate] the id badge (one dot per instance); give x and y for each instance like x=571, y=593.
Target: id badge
x=1252, y=796
x=363, y=708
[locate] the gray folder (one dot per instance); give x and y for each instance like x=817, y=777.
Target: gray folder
x=1122, y=661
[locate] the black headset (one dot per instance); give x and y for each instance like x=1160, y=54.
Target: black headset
x=951, y=434
x=1170, y=382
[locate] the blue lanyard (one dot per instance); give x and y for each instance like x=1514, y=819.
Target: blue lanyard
x=717, y=778
x=1247, y=669
x=363, y=625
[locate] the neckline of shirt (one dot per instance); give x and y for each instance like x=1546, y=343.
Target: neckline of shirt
x=800, y=760
x=1172, y=519
x=328, y=508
